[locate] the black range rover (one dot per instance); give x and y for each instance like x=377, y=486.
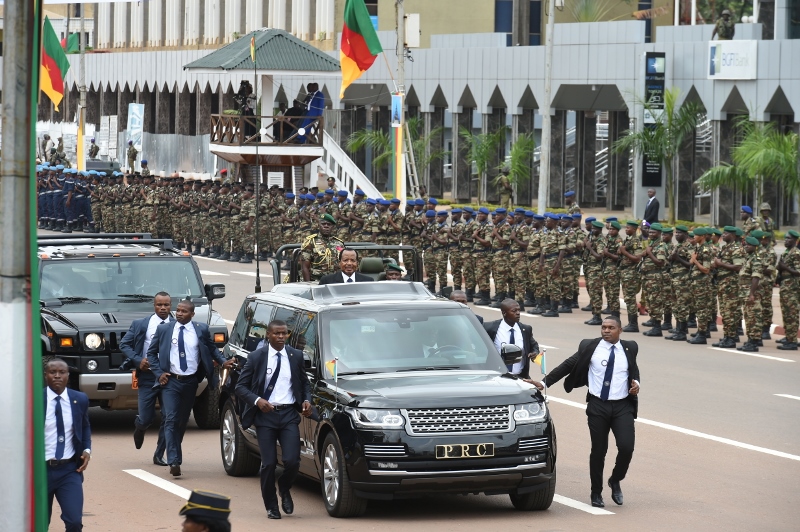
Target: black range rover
x=411, y=395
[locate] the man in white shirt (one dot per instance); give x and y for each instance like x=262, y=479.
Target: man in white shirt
x=613, y=382
x=348, y=263
x=509, y=330
x=67, y=443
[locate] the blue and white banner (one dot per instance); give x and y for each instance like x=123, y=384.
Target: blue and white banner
x=136, y=124
x=732, y=59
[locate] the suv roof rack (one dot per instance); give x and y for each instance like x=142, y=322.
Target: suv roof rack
x=164, y=243
x=357, y=292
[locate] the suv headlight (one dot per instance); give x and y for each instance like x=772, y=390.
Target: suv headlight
x=529, y=413
x=93, y=341
x=366, y=418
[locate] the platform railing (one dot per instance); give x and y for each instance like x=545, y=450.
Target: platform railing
x=244, y=130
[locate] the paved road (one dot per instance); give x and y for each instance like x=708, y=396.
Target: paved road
x=718, y=447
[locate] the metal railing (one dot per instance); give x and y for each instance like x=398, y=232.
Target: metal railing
x=244, y=130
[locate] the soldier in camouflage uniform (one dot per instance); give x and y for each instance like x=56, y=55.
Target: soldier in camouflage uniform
x=571, y=264
x=149, y=212
x=96, y=202
x=342, y=215
x=593, y=254
x=440, y=241
x=701, y=261
x=213, y=236
x=654, y=260
x=679, y=257
x=198, y=220
x=667, y=234
x=276, y=206
x=537, y=283
x=223, y=204
x=749, y=222
x=727, y=265
x=789, y=279
x=456, y=260
x=631, y=252
x=517, y=264
x=481, y=256
x=246, y=229
x=107, y=203
x=320, y=251
x=132, y=153
x=769, y=260
x=501, y=270
x=235, y=207
x=571, y=205
x=394, y=228
x=611, y=272
x=749, y=280
x=554, y=245
x=465, y=245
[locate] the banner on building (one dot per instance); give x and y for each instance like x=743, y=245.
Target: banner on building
x=654, y=81
x=136, y=124
x=732, y=59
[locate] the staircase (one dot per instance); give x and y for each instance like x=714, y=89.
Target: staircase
x=337, y=164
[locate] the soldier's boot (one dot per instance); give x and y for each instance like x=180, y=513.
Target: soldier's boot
x=649, y=323
x=566, y=307
x=496, y=297
x=680, y=332
x=206, y=252
x=788, y=346
x=726, y=342
x=521, y=305
x=712, y=325
x=67, y=228
x=538, y=308
x=551, y=309
x=667, y=323
x=431, y=285
x=633, y=323
x=605, y=311
x=512, y=295
x=484, y=298
x=456, y=287
x=656, y=330
x=215, y=252
x=197, y=250
x=781, y=341
x=759, y=343
x=470, y=295
x=574, y=301
x=85, y=227
x=93, y=228
x=765, y=333
x=224, y=255
x=587, y=308
x=42, y=223
x=234, y=257
x=692, y=323
x=500, y=297
x=748, y=347
x=700, y=338
x=739, y=330
x=595, y=320
x=529, y=300
x=246, y=258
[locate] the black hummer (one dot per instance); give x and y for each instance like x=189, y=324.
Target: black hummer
x=410, y=393
x=93, y=286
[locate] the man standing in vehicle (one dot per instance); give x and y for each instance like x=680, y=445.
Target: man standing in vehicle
x=275, y=388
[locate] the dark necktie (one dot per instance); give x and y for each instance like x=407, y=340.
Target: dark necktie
x=512, y=342
x=349, y=279
x=274, y=379
x=182, y=349
x=607, y=378
x=59, y=430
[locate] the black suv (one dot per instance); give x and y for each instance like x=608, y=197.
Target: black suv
x=410, y=396
x=93, y=286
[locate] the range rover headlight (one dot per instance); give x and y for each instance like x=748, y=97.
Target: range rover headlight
x=93, y=341
x=367, y=418
x=529, y=413
x=91, y=365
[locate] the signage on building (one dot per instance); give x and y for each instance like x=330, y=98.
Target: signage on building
x=654, y=80
x=136, y=124
x=732, y=59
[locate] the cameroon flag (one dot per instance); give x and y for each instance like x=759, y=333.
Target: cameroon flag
x=71, y=44
x=360, y=44
x=54, y=65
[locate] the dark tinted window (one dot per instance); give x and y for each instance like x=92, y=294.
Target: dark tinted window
x=257, y=330
x=305, y=337
x=242, y=321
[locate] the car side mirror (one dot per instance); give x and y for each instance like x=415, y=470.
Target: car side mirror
x=511, y=354
x=307, y=364
x=215, y=291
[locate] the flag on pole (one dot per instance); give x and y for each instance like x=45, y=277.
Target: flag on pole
x=70, y=44
x=54, y=65
x=541, y=360
x=253, y=48
x=360, y=44
x=331, y=365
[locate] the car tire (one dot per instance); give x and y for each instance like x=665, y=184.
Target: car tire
x=538, y=500
x=237, y=460
x=337, y=493
x=206, y=408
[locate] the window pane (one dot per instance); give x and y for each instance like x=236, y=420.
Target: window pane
x=306, y=338
x=257, y=332
x=503, y=15
x=242, y=321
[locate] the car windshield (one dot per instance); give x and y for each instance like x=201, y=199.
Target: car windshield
x=370, y=341
x=118, y=279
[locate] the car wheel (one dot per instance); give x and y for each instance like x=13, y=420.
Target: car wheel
x=236, y=458
x=340, y=499
x=538, y=500
x=206, y=408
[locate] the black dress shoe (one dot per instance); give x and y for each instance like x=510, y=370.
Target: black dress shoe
x=616, y=491
x=138, y=438
x=273, y=514
x=159, y=461
x=175, y=470
x=597, y=500
x=287, y=504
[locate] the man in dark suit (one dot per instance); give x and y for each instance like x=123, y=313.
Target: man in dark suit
x=181, y=355
x=651, y=210
x=613, y=382
x=459, y=296
x=67, y=443
x=274, y=386
x=510, y=331
x=348, y=262
x=134, y=345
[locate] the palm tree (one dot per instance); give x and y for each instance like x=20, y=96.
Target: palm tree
x=423, y=145
x=519, y=159
x=481, y=150
x=379, y=142
x=662, y=141
x=764, y=152
x=595, y=10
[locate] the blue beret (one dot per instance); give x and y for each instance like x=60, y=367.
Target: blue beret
x=520, y=210
x=469, y=210
x=349, y=201
x=500, y=211
x=419, y=201
x=92, y=172
x=85, y=174
x=395, y=201
x=144, y=161
x=342, y=193
x=289, y=195
x=61, y=167
x=566, y=217
x=330, y=191
x=538, y=217
x=433, y=201
x=529, y=214
x=384, y=201
x=483, y=210
x=455, y=211
x=372, y=201
x=577, y=216
x=101, y=174
x=553, y=216
x=442, y=213
x=569, y=193
x=747, y=209
x=359, y=192
x=611, y=219
x=590, y=219
x=430, y=213
x=320, y=194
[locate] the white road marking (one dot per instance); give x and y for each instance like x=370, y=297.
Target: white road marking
x=229, y=322
x=690, y=432
x=159, y=482
x=498, y=310
x=209, y=272
x=737, y=352
x=572, y=503
x=251, y=274
x=787, y=396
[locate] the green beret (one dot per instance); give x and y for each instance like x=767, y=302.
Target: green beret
x=758, y=233
x=792, y=233
x=751, y=240
x=667, y=229
x=656, y=227
x=765, y=234
x=700, y=231
x=739, y=232
x=598, y=223
x=729, y=229
x=633, y=223
x=394, y=267
x=691, y=234
x=716, y=231
x=682, y=228
x=615, y=224
x=327, y=218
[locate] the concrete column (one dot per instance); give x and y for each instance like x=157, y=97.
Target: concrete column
x=226, y=98
x=148, y=98
x=138, y=11
x=212, y=22
x=93, y=106
x=163, y=103
x=727, y=209
x=528, y=188
x=521, y=22
x=121, y=25
x=175, y=23
x=432, y=176
x=124, y=97
x=203, y=112
x=103, y=21
x=494, y=121
x=108, y=102
x=278, y=14
x=155, y=23
x=183, y=111
x=685, y=177
x=193, y=14
x=586, y=157
x=463, y=190
x=558, y=162
x=266, y=95
x=618, y=191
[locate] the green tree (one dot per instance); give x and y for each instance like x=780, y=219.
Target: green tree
x=482, y=150
x=423, y=145
x=662, y=141
x=518, y=162
x=763, y=153
x=596, y=10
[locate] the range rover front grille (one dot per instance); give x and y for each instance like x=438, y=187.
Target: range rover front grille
x=466, y=420
x=534, y=445
x=385, y=451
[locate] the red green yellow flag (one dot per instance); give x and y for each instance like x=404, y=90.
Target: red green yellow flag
x=253, y=48
x=54, y=65
x=70, y=44
x=360, y=44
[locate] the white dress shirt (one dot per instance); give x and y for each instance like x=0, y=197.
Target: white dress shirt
x=345, y=277
x=503, y=337
x=50, y=429
x=190, y=343
x=282, y=394
x=597, y=371
x=154, y=322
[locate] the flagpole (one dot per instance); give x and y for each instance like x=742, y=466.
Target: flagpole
x=82, y=102
x=257, y=179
